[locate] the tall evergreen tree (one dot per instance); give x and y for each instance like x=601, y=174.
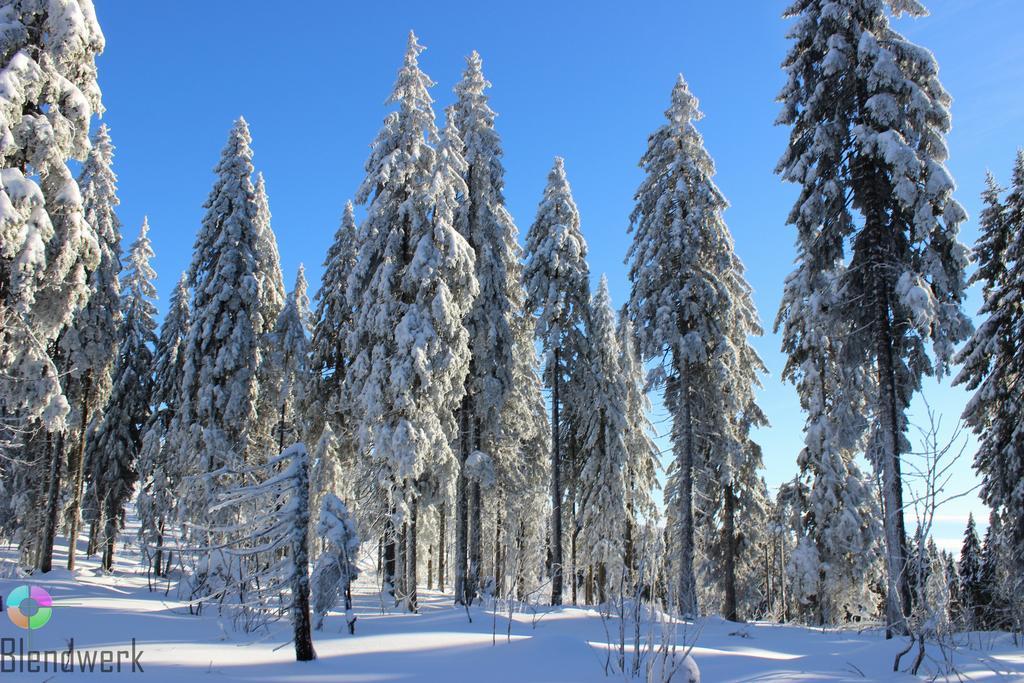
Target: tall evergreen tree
x=485, y=223
x=642, y=453
x=48, y=60
x=602, y=477
x=413, y=284
x=972, y=589
x=993, y=361
x=215, y=426
x=329, y=354
x=840, y=523
x=113, y=452
x=556, y=280
x=91, y=343
x=156, y=464
x=692, y=308
x=47, y=249
x=868, y=117
x=289, y=361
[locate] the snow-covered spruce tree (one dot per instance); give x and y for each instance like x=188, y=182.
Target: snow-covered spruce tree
x=113, y=451
x=487, y=226
x=993, y=361
x=325, y=402
x=642, y=454
x=288, y=365
x=412, y=286
x=692, y=307
x=837, y=548
x=268, y=268
x=335, y=568
x=91, y=343
x=214, y=427
x=556, y=279
x=159, y=479
x=868, y=116
x=602, y=493
x=46, y=246
x=273, y=535
x=972, y=588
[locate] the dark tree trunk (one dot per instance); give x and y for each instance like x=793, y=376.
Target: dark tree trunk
x=410, y=556
x=475, y=543
x=388, y=543
x=499, y=574
x=78, y=472
x=729, y=549
x=890, y=406
x=462, y=507
x=574, y=532
x=556, y=490
x=55, y=456
x=304, y=651
x=430, y=567
x=687, y=598
x=443, y=518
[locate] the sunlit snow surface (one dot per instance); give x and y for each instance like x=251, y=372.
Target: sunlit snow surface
x=439, y=644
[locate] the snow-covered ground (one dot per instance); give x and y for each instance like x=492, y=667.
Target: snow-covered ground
x=439, y=644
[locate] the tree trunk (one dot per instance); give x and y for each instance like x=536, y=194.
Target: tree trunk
x=402, y=567
x=687, y=598
x=897, y=599
x=78, y=472
x=628, y=550
x=388, y=542
x=729, y=548
x=499, y=574
x=410, y=556
x=158, y=556
x=475, y=543
x=556, y=490
x=280, y=438
x=304, y=651
x=55, y=455
x=111, y=540
x=443, y=516
x=574, y=532
x=462, y=507
x=430, y=567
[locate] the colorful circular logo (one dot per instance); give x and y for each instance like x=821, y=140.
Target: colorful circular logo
x=29, y=607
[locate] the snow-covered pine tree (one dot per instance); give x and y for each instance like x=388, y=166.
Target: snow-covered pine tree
x=159, y=479
x=51, y=94
x=556, y=279
x=113, y=451
x=288, y=367
x=274, y=538
x=215, y=426
x=992, y=362
x=840, y=526
x=692, y=307
x=335, y=568
x=642, y=454
x=487, y=226
x=413, y=284
x=868, y=117
x=602, y=493
x=89, y=345
x=972, y=589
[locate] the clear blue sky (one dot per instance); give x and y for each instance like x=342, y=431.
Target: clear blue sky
x=588, y=85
